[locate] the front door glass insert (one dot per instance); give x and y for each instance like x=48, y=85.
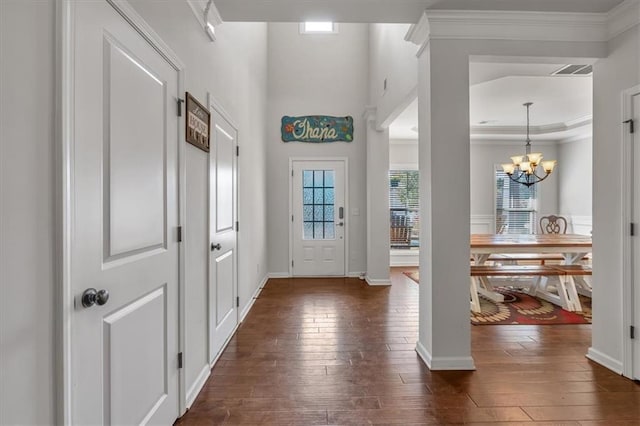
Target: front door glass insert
x=318, y=199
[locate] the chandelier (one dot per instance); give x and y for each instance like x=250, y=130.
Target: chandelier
x=524, y=168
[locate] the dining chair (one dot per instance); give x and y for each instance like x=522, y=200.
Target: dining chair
x=553, y=224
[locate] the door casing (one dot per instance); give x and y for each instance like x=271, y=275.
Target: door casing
x=628, y=285
x=345, y=160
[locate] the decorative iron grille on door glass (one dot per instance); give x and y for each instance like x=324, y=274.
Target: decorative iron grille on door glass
x=404, y=209
x=318, y=199
x=516, y=206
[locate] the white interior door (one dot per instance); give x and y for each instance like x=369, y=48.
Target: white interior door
x=124, y=349
x=223, y=290
x=318, y=218
x=635, y=144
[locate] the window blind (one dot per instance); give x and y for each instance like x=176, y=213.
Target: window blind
x=404, y=208
x=516, y=206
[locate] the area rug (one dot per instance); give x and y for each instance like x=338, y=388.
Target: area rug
x=520, y=308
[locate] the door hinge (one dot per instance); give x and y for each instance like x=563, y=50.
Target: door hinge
x=291, y=172
x=632, y=332
x=632, y=229
x=237, y=226
x=179, y=234
x=237, y=302
x=237, y=151
x=292, y=263
x=291, y=218
x=631, y=125
x=180, y=101
x=179, y=359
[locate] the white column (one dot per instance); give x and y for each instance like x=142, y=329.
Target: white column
x=443, y=104
x=377, y=203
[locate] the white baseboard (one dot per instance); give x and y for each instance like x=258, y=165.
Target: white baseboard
x=605, y=360
x=195, y=389
x=377, y=281
x=356, y=275
x=254, y=296
x=404, y=257
x=278, y=275
x=444, y=363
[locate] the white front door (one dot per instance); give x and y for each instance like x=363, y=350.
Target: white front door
x=635, y=144
x=318, y=218
x=223, y=292
x=124, y=181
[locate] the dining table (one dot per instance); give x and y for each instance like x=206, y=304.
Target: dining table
x=571, y=247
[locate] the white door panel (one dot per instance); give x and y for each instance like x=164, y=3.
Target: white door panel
x=223, y=291
x=125, y=216
x=134, y=153
x=319, y=218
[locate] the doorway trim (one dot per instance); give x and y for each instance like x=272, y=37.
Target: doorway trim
x=345, y=160
x=64, y=197
x=627, y=258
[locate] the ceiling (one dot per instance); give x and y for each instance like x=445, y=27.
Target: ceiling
x=562, y=105
x=386, y=11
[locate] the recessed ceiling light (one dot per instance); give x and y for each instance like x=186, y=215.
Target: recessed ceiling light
x=315, y=27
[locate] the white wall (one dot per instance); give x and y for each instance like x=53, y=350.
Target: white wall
x=316, y=74
x=394, y=59
x=233, y=70
x=403, y=153
x=26, y=212
x=576, y=184
x=618, y=72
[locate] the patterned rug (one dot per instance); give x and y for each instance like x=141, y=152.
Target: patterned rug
x=523, y=309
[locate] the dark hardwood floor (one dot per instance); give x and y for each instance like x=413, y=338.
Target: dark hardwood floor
x=336, y=351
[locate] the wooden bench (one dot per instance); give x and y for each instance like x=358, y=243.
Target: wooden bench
x=529, y=258
x=566, y=296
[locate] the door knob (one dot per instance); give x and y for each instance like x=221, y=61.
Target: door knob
x=91, y=297
x=340, y=223
x=216, y=247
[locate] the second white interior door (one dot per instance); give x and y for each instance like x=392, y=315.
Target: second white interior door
x=223, y=292
x=318, y=218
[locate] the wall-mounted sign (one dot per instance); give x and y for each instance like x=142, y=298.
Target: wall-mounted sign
x=317, y=128
x=198, y=123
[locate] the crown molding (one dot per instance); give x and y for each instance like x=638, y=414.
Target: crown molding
x=533, y=130
x=524, y=26
x=508, y=25
x=213, y=16
x=370, y=113
x=418, y=33
x=513, y=142
x=623, y=17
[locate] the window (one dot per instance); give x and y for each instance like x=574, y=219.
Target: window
x=516, y=206
x=404, y=209
x=318, y=28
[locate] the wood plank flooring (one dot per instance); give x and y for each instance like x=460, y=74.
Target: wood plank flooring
x=336, y=351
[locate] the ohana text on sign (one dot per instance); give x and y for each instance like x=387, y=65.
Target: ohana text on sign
x=317, y=128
